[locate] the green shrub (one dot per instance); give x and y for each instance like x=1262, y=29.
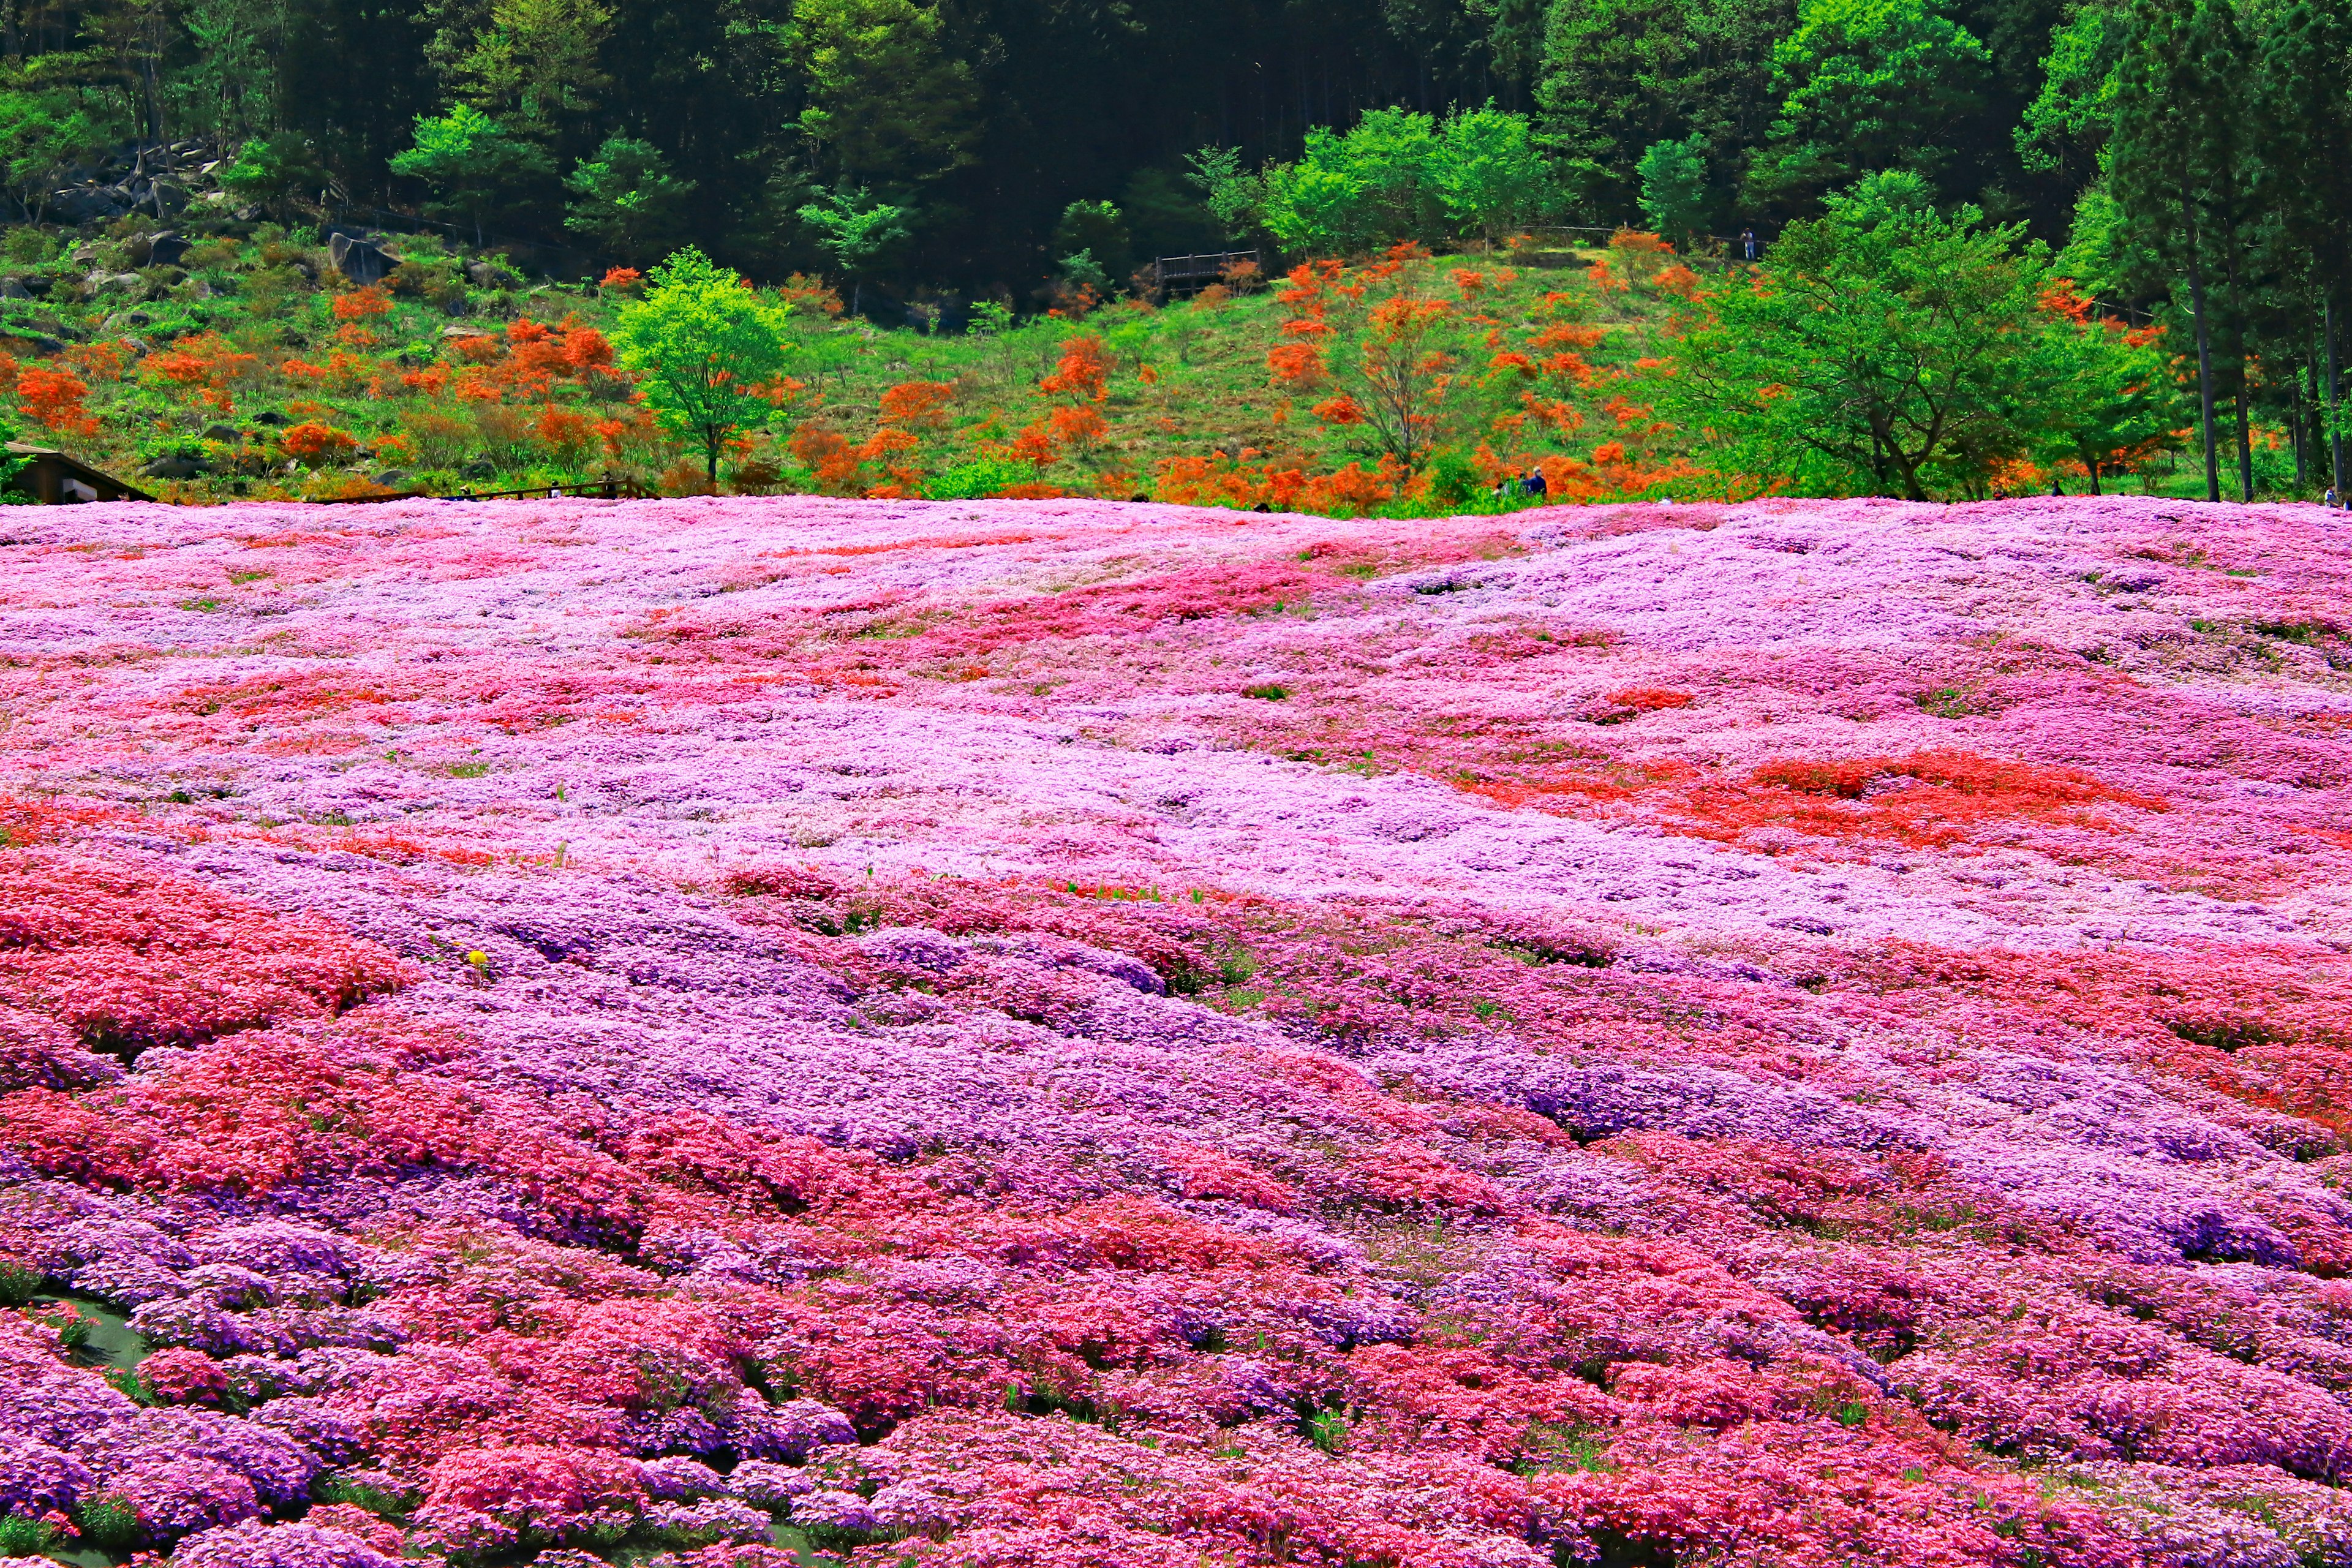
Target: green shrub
x=18, y=1281
x=25, y=1537
x=976, y=481
x=109, y=1521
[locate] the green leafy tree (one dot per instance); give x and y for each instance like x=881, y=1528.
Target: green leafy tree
x=1865, y=85
x=1161, y=218
x=1884, y=348
x=890, y=102
x=472, y=163
x=704, y=349
x=531, y=63
x=271, y=170
x=1097, y=230
x=231, y=85
x=2064, y=127
x=1489, y=173
x=2305, y=126
x=1674, y=188
x=626, y=199
x=1620, y=75
x=1233, y=194
x=859, y=233
x=1348, y=192
x=2176, y=168
x=2105, y=394
x=40, y=132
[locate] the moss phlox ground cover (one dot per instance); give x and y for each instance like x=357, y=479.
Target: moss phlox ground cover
x=1069, y=1034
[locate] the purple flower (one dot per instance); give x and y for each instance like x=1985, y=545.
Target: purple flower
x=174, y=1495
x=36, y=1478
x=832, y=1510
x=254, y=1545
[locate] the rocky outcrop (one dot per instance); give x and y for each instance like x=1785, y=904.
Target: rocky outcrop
x=161, y=180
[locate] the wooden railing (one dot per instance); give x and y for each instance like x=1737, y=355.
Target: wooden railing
x=1199, y=271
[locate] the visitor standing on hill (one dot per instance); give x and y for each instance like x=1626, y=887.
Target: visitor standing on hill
x=1747, y=245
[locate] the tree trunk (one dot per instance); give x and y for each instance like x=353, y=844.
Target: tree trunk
x=2246, y=439
x=2334, y=394
x=2095, y=477
x=2204, y=362
x=2296, y=429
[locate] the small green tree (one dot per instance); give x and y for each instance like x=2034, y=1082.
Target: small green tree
x=704, y=348
x=859, y=233
x=1348, y=193
x=2107, y=394
x=1887, y=349
x=472, y=163
x=272, y=169
x=1674, y=187
x=1864, y=85
x=1234, y=196
x=626, y=199
x=40, y=132
x=1097, y=230
x=1489, y=173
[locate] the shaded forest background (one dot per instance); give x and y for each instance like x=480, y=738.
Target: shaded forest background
x=983, y=120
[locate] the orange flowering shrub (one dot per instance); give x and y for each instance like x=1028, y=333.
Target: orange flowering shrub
x=54, y=398
x=100, y=360
x=921, y=404
x=363, y=304
x=313, y=444
x=1080, y=426
x=1084, y=370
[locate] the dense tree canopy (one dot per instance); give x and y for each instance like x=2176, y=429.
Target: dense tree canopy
x=2184, y=161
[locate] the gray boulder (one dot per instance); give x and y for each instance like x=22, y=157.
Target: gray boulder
x=364, y=261
x=165, y=249
x=175, y=466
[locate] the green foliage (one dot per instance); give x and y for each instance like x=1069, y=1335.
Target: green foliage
x=2104, y=401
x=890, y=103
x=1452, y=477
x=977, y=479
x=1887, y=349
x=1674, y=188
x=2066, y=124
x=534, y=62
x=19, y=1282
x=1348, y=193
x=859, y=233
x=627, y=200
x=705, y=348
x=1864, y=85
x=232, y=82
x=268, y=169
x=1489, y=174
x=40, y=132
x=472, y=163
x=110, y=1521
x=1620, y=76
x=1162, y=219
x=1232, y=193
x=1395, y=176
x=22, y=1537
x=1099, y=231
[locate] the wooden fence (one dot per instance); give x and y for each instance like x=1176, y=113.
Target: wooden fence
x=1178, y=272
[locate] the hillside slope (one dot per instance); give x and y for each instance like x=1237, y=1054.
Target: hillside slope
x=1073, y=1034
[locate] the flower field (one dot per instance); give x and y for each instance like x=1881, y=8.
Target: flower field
x=741, y=1031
